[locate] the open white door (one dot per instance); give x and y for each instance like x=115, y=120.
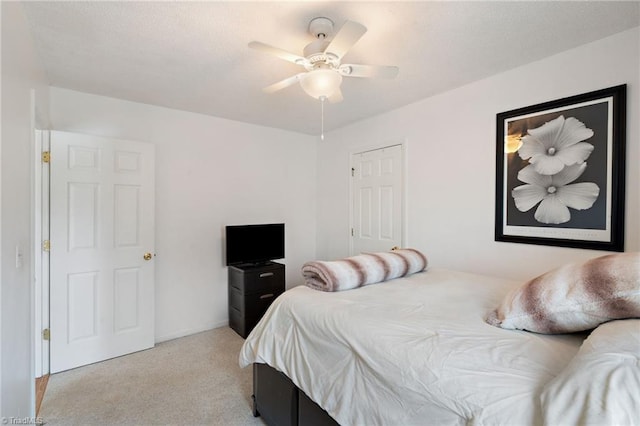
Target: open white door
x=102, y=225
x=377, y=199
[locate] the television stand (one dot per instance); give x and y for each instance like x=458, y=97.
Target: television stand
x=252, y=289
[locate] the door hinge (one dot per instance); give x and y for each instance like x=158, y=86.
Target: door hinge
x=46, y=156
x=46, y=334
x=353, y=172
x=46, y=245
x=352, y=234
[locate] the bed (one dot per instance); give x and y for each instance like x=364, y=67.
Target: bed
x=417, y=350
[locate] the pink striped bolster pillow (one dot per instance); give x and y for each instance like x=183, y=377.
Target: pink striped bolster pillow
x=364, y=269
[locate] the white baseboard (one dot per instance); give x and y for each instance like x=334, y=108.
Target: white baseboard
x=183, y=333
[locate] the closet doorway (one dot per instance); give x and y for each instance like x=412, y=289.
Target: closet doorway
x=377, y=199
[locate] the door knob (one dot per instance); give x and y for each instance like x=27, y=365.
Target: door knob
x=147, y=256
x=394, y=248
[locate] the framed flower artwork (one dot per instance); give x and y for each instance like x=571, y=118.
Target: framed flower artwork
x=560, y=169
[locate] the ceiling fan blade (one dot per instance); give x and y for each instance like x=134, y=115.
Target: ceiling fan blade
x=283, y=83
x=346, y=37
x=336, y=96
x=282, y=54
x=376, y=71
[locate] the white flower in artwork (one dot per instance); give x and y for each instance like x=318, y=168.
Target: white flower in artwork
x=556, y=144
x=555, y=193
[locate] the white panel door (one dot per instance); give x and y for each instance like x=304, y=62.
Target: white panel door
x=377, y=193
x=102, y=224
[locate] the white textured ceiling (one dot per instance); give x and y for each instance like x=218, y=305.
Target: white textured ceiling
x=193, y=56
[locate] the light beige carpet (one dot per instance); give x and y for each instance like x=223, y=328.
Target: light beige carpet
x=194, y=380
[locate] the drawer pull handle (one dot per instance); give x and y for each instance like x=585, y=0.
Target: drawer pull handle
x=266, y=296
x=266, y=274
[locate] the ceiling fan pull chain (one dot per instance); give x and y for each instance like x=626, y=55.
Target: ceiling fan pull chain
x=322, y=99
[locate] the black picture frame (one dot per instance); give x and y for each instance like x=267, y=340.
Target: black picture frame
x=573, y=192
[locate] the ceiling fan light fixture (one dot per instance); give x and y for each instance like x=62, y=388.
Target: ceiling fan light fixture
x=321, y=82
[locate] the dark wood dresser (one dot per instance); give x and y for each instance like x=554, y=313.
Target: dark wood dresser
x=252, y=289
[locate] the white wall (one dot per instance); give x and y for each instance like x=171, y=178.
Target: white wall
x=210, y=172
x=451, y=165
x=24, y=105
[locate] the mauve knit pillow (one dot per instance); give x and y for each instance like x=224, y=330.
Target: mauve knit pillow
x=574, y=297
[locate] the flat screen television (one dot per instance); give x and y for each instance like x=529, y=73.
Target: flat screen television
x=254, y=244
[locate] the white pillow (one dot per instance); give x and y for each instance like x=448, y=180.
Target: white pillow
x=601, y=385
x=574, y=297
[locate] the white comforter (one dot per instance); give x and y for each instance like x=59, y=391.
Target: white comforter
x=412, y=351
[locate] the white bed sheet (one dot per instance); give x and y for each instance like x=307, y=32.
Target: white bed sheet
x=411, y=351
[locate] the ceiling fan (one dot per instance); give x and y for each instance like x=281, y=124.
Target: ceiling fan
x=322, y=60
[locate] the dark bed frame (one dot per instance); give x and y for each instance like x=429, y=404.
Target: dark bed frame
x=280, y=403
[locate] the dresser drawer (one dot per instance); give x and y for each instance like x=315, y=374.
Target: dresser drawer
x=257, y=303
x=257, y=279
x=253, y=302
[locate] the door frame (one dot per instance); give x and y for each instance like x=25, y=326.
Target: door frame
x=404, y=143
x=41, y=257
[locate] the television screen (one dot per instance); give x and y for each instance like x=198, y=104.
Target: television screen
x=254, y=243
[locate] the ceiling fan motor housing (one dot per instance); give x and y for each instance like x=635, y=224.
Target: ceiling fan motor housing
x=314, y=52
